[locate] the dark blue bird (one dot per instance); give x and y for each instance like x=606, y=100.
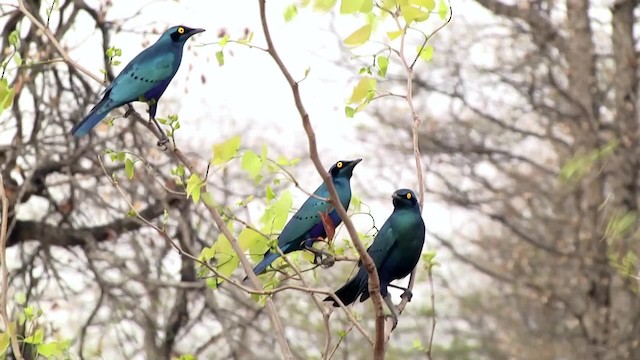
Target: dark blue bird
x=395, y=251
x=306, y=225
x=145, y=78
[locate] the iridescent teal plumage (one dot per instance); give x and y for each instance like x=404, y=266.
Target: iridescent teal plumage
x=395, y=250
x=306, y=226
x=145, y=78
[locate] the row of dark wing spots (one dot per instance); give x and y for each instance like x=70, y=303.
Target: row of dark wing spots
x=136, y=77
x=306, y=217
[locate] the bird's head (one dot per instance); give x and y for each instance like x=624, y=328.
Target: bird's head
x=343, y=168
x=404, y=198
x=179, y=34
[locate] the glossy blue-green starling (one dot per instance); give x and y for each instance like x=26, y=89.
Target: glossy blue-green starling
x=306, y=225
x=395, y=251
x=145, y=78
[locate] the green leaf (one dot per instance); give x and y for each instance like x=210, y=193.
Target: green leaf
x=269, y=193
x=5, y=339
x=29, y=311
x=412, y=13
x=225, y=151
x=362, y=89
x=367, y=6
x=426, y=53
x=359, y=36
x=248, y=238
x=128, y=168
x=14, y=38
x=212, y=283
x=220, y=57
x=429, y=4
x=275, y=216
x=20, y=298
x=356, y=203
x=443, y=9
x=383, y=64
x=52, y=349
x=394, y=34
x=227, y=259
x=207, y=253
x=224, y=40
x=17, y=58
x=350, y=6
x=349, y=111
x=6, y=95
x=281, y=210
x=323, y=5
x=251, y=163
x=194, y=185
x=290, y=12
x=36, y=338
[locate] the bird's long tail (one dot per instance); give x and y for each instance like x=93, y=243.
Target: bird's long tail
x=350, y=291
x=269, y=257
x=92, y=119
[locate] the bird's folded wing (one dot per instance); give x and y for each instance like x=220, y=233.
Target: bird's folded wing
x=382, y=244
x=305, y=218
x=141, y=76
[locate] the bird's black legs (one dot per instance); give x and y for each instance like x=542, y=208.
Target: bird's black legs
x=164, y=139
x=325, y=259
x=407, y=293
x=392, y=308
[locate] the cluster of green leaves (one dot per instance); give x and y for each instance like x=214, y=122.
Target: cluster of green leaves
x=226, y=39
x=429, y=260
x=404, y=15
x=173, y=122
x=123, y=157
x=254, y=239
x=112, y=54
x=7, y=93
x=29, y=318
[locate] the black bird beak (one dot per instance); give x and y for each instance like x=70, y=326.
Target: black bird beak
x=396, y=196
x=353, y=163
x=192, y=32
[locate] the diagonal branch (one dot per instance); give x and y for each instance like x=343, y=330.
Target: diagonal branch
x=374, y=281
x=5, y=274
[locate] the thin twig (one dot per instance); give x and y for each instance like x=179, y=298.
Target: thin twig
x=409, y=72
x=5, y=273
x=374, y=280
x=45, y=30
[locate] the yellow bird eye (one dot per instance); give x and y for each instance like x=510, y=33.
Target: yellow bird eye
x=339, y=164
x=409, y=196
x=180, y=30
